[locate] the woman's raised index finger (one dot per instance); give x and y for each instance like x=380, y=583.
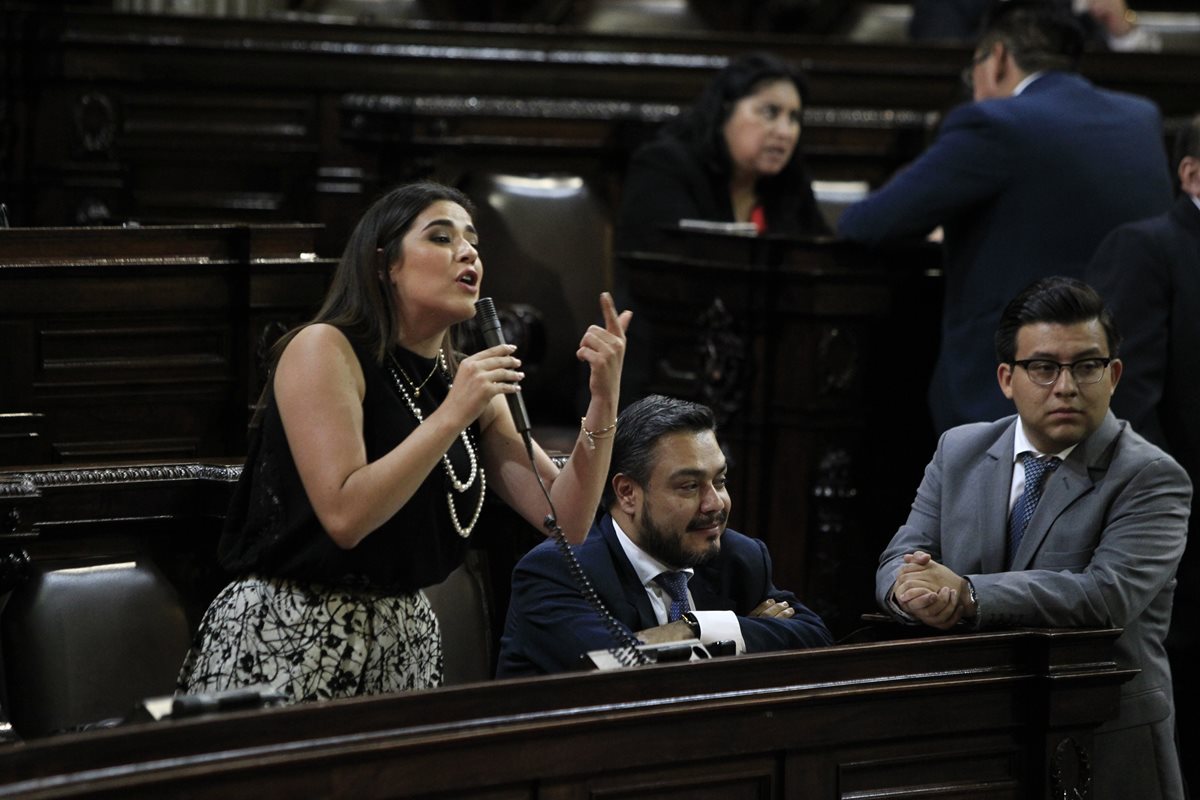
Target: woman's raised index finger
x=612, y=320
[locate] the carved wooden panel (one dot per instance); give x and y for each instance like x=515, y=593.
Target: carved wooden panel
x=810, y=353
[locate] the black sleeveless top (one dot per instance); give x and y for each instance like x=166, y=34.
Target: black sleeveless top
x=272, y=530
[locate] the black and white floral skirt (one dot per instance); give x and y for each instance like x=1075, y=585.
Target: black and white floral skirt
x=313, y=642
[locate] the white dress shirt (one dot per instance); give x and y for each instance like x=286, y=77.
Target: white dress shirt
x=715, y=626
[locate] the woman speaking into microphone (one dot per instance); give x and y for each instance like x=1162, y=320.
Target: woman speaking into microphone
x=368, y=463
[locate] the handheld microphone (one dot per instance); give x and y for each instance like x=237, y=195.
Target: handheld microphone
x=489, y=326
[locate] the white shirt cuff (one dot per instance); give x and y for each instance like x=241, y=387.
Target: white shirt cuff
x=720, y=626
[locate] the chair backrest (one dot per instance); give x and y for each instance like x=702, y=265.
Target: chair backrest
x=88, y=643
x=463, y=605
x=546, y=244
x=639, y=16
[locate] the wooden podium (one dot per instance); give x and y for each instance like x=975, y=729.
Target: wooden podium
x=816, y=356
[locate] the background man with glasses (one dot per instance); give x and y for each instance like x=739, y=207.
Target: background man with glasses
x=1025, y=182
x=1060, y=516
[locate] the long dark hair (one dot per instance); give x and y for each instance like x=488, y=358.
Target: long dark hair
x=702, y=126
x=360, y=300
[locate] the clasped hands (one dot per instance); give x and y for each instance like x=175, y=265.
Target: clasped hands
x=931, y=593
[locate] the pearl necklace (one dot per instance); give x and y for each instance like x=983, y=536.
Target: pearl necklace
x=459, y=486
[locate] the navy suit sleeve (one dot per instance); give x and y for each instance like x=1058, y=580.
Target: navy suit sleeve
x=550, y=625
x=1131, y=273
x=764, y=634
x=968, y=163
x=739, y=581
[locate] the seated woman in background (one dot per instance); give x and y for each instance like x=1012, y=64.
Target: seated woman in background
x=367, y=468
x=733, y=157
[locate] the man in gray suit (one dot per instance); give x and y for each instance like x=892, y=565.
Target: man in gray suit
x=1061, y=516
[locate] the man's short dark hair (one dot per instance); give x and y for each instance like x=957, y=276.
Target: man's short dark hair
x=1040, y=34
x=1059, y=301
x=1187, y=142
x=640, y=426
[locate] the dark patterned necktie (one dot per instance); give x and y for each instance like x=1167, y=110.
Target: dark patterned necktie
x=1036, y=471
x=675, y=585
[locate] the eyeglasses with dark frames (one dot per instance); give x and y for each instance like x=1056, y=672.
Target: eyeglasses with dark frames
x=1044, y=372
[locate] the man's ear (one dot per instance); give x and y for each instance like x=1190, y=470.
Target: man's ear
x=1189, y=175
x=1004, y=375
x=627, y=493
x=1003, y=65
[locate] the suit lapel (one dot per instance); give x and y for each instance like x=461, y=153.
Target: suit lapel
x=992, y=522
x=703, y=587
x=633, y=602
x=1068, y=483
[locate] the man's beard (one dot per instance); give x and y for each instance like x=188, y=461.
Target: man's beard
x=668, y=547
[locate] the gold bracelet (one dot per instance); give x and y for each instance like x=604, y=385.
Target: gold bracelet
x=592, y=436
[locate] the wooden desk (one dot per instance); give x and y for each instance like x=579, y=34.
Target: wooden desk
x=816, y=356
x=1014, y=714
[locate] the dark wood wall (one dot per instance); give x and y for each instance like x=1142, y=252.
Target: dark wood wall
x=144, y=343
x=158, y=119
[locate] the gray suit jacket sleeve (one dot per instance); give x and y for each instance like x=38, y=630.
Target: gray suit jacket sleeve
x=1105, y=540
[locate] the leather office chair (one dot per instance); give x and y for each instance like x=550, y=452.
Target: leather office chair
x=639, y=16
x=87, y=643
x=463, y=605
x=546, y=244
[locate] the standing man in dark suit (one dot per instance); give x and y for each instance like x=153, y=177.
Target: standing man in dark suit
x=1059, y=517
x=1025, y=182
x=1150, y=273
x=667, y=505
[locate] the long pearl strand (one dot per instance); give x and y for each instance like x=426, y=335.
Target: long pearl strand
x=476, y=470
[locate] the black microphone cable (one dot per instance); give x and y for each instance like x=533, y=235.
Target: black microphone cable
x=625, y=648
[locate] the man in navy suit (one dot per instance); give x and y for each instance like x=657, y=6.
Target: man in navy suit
x=1024, y=182
x=1150, y=273
x=667, y=506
